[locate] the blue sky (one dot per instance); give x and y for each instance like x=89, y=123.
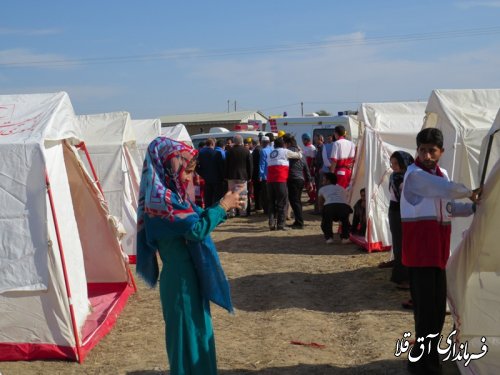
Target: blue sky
x=154, y=58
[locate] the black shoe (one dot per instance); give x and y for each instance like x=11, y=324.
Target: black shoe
x=283, y=228
x=272, y=227
x=296, y=226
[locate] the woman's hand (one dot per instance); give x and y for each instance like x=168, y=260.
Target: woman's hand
x=233, y=199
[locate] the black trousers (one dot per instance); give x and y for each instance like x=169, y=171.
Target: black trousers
x=257, y=196
x=295, y=188
x=213, y=192
x=277, y=193
x=335, y=212
x=318, y=178
x=264, y=196
x=399, y=272
x=428, y=292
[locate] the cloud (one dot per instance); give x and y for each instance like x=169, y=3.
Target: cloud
x=20, y=57
x=478, y=4
x=28, y=32
x=358, y=73
x=80, y=92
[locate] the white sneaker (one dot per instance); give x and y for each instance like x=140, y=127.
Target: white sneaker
x=329, y=241
x=345, y=241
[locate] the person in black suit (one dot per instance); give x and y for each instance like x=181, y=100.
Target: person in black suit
x=238, y=165
x=211, y=168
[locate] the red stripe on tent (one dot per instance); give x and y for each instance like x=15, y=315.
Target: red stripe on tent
x=132, y=259
x=83, y=146
x=31, y=352
x=368, y=246
x=107, y=300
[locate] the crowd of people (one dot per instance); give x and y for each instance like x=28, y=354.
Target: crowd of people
x=275, y=171
x=269, y=175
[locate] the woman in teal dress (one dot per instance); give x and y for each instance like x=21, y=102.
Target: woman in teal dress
x=171, y=225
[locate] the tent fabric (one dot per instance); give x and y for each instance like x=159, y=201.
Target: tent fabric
x=145, y=131
x=473, y=276
x=47, y=262
x=178, y=133
x=110, y=141
x=24, y=118
x=23, y=130
x=386, y=127
x=464, y=117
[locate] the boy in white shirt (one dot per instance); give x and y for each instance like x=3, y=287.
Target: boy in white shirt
x=334, y=207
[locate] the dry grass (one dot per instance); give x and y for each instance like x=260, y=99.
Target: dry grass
x=286, y=286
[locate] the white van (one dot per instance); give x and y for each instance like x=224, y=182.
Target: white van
x=224, y=134
x=314, y=125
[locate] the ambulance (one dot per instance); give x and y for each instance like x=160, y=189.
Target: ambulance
x=314, y=125
x=225, y=134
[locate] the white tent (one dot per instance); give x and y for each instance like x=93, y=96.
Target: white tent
x=473, y=269
x=464, y=117
x=386, y=127
x=145, y=131
x=490, y=145
x=63, y=277
x=177, y=132
x=110, y=140
x=473, y=275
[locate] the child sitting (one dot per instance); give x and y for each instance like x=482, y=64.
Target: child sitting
x=359, y=216
x=334, y=207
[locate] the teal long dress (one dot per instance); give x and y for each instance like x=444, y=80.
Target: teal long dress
x=189, y=333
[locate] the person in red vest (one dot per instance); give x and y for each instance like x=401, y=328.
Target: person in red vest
x=342, y=157
x=277, y=175
x=427, y=207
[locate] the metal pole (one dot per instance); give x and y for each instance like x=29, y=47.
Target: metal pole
x=94, y=174
x=302, y=108
x=79, y=357
x=228, y=105
x=235, y=105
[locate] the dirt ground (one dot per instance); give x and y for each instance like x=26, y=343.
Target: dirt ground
x=286, y=286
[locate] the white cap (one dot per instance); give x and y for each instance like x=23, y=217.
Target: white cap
x=265, y=138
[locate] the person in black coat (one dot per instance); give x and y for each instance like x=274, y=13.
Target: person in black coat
x=210, y=167
x=255, y=176
x=298, y=175
x=239, y=165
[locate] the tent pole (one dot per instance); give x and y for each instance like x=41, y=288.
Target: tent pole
x=65, y=273
x=487, y=158
x=82, y=146
x=131, y=278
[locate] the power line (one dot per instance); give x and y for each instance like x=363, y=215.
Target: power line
x=295, y=47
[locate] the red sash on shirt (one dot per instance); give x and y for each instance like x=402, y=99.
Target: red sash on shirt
x=426, y=242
